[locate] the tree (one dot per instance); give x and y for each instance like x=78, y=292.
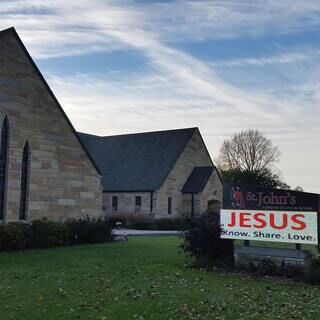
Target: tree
x=249, y=151
x=265, y=178
x=202, y=241
x=248, y=158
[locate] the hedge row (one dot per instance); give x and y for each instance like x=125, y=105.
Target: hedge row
x=45, y=233
x=143, y=222
x=309, y=272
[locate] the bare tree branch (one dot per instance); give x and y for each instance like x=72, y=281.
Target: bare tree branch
x=248, y=150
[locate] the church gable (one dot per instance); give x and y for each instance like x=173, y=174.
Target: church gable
x=33, y=77
x=194, y=155
x=63, y=180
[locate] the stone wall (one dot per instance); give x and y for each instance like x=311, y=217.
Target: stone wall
x=126, y=203
x=212, y=191
x=194, y=155
x=63, y=181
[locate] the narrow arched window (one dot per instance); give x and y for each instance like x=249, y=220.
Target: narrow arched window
x=4, y=146
x=24, y=182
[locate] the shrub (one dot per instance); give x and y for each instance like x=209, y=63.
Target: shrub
x=293, y=271
x=145, y=222
x=267, y=267
x=201, y=240
x=312, y=270
x=168, y=224
x=140, y=222
x=14, y=236
x=118, y=218
x=88, y=231
x=46, y=234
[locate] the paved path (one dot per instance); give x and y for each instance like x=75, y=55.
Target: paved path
x=133, y=232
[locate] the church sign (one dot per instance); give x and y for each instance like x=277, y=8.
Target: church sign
x=251, y=213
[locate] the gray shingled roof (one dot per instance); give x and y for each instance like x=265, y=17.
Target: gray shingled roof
x=197, y=180
x=136, y=162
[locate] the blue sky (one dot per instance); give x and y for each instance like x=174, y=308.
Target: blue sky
x=129, y=66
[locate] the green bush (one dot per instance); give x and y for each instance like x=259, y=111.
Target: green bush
x=46, y=234
x=312, y=270
x=14, y=236
x=201, y=240
x=140, y=222
x=292, y=271
x=168, y=224
x=88, y=231
x=118, y=218
x=267, y=267
x=145, y=222
x=148, y=223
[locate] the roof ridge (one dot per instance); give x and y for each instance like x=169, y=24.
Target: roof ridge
x=149, y=132
x=139, y=133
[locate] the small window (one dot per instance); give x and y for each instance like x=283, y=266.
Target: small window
x=138, y=203
x=114, y=203
x=169, y=205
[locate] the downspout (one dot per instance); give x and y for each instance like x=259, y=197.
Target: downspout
x=151, y=203
x=192, y=205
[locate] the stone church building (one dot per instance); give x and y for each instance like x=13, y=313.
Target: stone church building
x=49, y=170
x=45, y=171
x=162, y=174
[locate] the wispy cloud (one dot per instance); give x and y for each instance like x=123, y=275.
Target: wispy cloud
x=290, y=57
x=84, y=22
x=178, y=89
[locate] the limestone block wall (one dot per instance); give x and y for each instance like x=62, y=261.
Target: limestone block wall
x=63, y=181
x=126, y=203
x=212, y=191
x=187, y=204
x=195, y=154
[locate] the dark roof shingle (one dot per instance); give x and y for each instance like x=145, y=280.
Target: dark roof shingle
x=197, y=180
x=136, y=162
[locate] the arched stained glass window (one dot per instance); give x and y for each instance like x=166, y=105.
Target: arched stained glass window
x=24, y=182
x=4, y=146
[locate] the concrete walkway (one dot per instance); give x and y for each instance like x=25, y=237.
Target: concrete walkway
x=135, y=233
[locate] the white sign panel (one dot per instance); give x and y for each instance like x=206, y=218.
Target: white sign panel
x=278, y=226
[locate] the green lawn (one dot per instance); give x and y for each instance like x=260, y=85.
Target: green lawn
x=142, y=279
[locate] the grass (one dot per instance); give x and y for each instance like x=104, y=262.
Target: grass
x=142, y=279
